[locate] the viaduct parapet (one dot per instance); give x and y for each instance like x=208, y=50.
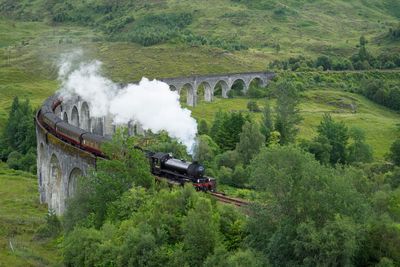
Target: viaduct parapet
x=60, y=163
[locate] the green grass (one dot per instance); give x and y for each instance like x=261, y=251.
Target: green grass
x=379, y=123
x=20, y=216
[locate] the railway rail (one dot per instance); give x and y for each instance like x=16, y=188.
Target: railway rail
x=221, y=197
x=229, y=200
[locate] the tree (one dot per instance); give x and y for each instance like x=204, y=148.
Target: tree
x=359, y=151
x=309, y=214
x=19, y=136
x=199, y=231
x=205, y=150
x=252, y=106
x=251, y=141
x=325, y=62
x=320, y=147
x=267, y=122
x=363, y=41
x=125, y=168
x=202, y=127
x=240, y=176
x=394, y=154
x=287, y=112
x=336, y=133
x=226, y=129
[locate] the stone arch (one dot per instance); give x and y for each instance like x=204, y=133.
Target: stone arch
x=55, y=184
x=72, y=181
x=207, y=90
x=239, y=87
x=97, y=126
x=85, y=117
x=221, y=88
x=75, y=116
x=172, y=87
x=188, y=91
x=257, y=81
x=65, y=117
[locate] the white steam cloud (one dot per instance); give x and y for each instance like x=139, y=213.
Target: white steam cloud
x=151, y=103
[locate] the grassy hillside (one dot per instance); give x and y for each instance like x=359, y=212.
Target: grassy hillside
x=20, y=216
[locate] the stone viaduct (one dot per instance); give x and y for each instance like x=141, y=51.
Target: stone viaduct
x=60, y=164
x=210, y=83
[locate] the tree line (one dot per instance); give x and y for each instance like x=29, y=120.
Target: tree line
x=362, y=60
x=18, y=139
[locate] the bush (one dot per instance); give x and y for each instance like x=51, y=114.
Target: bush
x=52, y=228
x=14, y=160
x=395, y=152
x=155, y=29
x=252, y=106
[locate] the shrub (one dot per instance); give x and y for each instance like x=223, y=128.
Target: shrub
x=252, y=106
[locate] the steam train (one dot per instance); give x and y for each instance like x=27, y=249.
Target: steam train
x=163, y=165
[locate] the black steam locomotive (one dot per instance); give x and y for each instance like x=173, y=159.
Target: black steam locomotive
x=179, y=171
x=162, y=164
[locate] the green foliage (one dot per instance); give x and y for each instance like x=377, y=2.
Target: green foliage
x=395, y=152
x=51, y=229
x=252, y=106
x=18, y=140
x=155, y=29
x=226, y=129
x=251, y=141
x=321, y=148
x=287, y=111
x=359, y=151
x=382, y=243
x=331, y=144
x=206, y=149
x=311, y=215
x=200, y=40
x=162, y=142
x=380, y=92
x=325, y=62
x=240, y=177
x=395, y=33
x=157, y=228
x=125, y=168
x=336, y=133
x=200, y=231
x=81, y=247
x=267, y=126
x=202, y=127
x=228, y=159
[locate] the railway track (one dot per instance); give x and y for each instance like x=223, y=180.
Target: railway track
x=229, y=200
x=221, y=197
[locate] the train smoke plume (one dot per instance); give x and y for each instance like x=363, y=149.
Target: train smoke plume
x=151, y=103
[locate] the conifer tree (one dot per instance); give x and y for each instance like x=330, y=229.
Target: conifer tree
x=287, y=112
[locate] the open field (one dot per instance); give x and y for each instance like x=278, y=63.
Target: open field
x=20, y=216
